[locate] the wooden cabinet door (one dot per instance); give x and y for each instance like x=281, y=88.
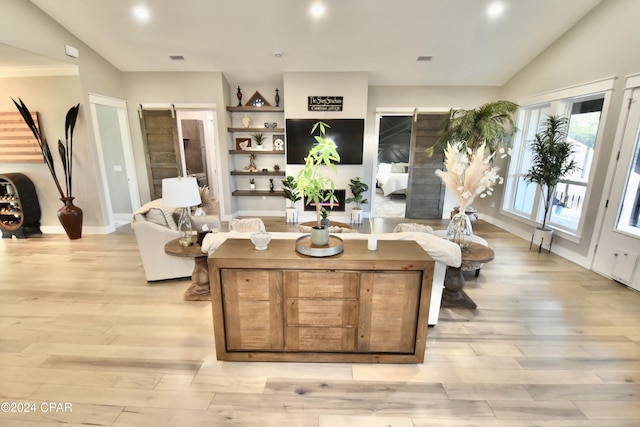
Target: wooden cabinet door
x=388, y=310
x=253, y=309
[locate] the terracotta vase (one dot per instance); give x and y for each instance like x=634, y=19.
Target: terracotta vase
x=70, y=217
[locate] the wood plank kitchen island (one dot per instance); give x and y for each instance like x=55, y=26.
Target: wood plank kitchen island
x=358, y=306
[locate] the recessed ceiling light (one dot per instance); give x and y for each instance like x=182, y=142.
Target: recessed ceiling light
x=141, y=13
x=317, y=10
x=495, y=9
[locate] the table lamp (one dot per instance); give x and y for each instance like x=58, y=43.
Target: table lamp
x=181, y=193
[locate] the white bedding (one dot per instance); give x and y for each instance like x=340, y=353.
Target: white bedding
x=391, y=182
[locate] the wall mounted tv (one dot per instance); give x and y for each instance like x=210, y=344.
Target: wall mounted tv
x=348, y=134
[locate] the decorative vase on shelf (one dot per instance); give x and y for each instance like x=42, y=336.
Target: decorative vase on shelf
x=246, y=121
x=460, y=230
x=70, y=217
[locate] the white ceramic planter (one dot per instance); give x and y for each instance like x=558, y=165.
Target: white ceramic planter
x=292, y=215
x=320, y=236
x=542, y=237
x=356, y=216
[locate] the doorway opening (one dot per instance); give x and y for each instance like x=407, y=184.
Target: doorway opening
x=392, y=166
x=117, y=168
x=180, y=141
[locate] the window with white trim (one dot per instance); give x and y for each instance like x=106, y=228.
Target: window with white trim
x=585, y=106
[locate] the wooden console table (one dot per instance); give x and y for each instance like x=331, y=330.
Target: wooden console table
x=453, y=294
x=357, y=306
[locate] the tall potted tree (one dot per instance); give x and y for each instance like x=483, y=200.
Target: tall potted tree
x=552, y=160
x=316, y=187
x=357, y=189
x=490, y=124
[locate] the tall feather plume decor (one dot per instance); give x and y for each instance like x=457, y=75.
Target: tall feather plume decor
x=70, y=216
x=469, y=174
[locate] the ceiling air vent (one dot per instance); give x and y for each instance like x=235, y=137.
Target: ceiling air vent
x=176, y=57
x=424, y=58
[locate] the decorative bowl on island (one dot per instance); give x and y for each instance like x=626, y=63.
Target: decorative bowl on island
x=260, y=240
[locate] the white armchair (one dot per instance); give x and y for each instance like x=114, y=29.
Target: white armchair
x=157, y=265
x=154, y=226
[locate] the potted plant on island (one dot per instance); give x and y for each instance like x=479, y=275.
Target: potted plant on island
x=357, y=189
x=316, y=187
x=291, y=193
x=552, y=160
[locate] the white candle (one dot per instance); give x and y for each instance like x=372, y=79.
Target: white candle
x=372, y=243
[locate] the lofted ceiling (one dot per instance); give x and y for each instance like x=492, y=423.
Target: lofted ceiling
x=381, y=37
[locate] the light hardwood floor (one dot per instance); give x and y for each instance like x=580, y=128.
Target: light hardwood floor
x=551, y=344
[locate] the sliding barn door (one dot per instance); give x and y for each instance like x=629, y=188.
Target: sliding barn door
x=425, y=196
x=160, y=134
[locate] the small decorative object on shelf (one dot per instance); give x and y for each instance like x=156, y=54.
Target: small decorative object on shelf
x=277, y=98
x=252, y=184
x=270, y=125
x=276, y=167
x=239, y=96
x=251, y=167
x=243, y=143
x=271, y=189
x=259, y=139
x=246, y=121
x=278, y=142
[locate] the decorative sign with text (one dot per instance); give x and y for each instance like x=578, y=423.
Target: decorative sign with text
x=325, y=103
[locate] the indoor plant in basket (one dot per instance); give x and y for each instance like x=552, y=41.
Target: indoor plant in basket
x=552, y=160
x=357, y=189
x=311, y=182
x=70, y=216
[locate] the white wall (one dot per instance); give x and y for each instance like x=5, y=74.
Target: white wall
x=353, y=87
x=603, y=44
x=24, y=26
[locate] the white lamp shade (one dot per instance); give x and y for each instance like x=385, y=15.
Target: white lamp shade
x=180, y=192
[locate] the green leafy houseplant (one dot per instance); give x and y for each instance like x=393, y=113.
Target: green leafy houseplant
x=357, y=189
x=491, y=123
x=290, y=190
x=552, y=159
x=258, y=138
x=310, y=181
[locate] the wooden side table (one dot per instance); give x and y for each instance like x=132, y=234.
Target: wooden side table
x=453, y=294
x=199, y=289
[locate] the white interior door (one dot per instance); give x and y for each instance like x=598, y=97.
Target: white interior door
x=618, y=249
x=117, y=169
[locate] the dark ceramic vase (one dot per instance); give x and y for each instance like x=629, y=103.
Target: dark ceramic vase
x=70, y=217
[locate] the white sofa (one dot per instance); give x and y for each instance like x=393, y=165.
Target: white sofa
x=154, y=226
x=441, y=250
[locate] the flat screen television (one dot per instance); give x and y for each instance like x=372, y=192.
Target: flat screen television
x=348, y=134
